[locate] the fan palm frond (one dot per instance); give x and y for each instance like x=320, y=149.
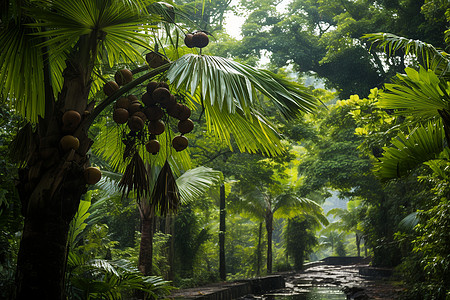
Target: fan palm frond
x=119, y=25
x=195, y=182
x=233, y=85
x=20, y=60
x=418, y=93
x=432, y=58
x=290, y=205
x=410, y=150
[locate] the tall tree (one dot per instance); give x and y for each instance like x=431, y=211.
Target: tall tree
x=323, y=38
x=52, y=55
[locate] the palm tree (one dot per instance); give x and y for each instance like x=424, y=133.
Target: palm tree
x=191, y=185
x=264, y=205
x=53, y=55
x=349, y=220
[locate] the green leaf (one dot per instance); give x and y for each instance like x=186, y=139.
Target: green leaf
x=408, y=151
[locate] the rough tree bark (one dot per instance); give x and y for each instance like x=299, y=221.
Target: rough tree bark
x=50, y=187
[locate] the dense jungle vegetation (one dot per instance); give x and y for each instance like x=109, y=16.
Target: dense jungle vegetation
x=322, y=131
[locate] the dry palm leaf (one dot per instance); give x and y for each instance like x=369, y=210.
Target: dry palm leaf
x=166, y=196
x=135, y=178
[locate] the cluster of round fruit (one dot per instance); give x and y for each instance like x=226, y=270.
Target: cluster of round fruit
x=70, y=121
x=197, y=39
x=156, y=104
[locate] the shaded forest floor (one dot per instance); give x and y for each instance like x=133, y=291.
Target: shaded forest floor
x=358, y=281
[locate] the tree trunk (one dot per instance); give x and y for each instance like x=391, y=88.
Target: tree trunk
x=48, y=211
x=358, y=244
x=52, y=183
x=171, y=226
x=222, y=228
x=269, y=228
x=145, y=263
x=259, y=251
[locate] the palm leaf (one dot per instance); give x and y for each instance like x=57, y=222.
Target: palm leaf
x=195, y=182
x=21, y=71
x=418, y=93
x=409, y=222
x=114, y=22
x=410, y=150
x=233, y=85
x=432, y=58
x=289, y=205
x=251, y=133
x=108, y=145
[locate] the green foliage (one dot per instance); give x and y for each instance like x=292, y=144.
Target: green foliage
x=340, y=248
x=433, y=245
x=324, y=37
x=102, y=279
x=300, y=239
x=91, y=272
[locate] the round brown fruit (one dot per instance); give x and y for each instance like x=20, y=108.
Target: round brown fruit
x=153, y=146
x=147, y=99
x=141, y=115
x=135, y=123
x=92, y=175
x=69, y=142
x=185, y=126
x=120, y=115
x=134, y=107
x=155, y=60
x=188, y=40
x=154, y=113
x=156, y=127
x=180, y=143
x=161, y=95
x=71, y=119
x=133, y=98
x=123, y=102
x=151, y=86
x=200, y=39
x=163, y=84
x=110, y=88
x=123, y=76
x=174, y=110
x=184, y=112
x=172, y=102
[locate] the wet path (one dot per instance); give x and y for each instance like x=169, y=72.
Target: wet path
x=317, y=282
x=332, y=279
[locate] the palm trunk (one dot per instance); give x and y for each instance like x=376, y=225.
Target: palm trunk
x=52, y=183
x=48, y=209
x=171, y=274
x=146, y=247
x=222, y=228
x=259, y=251
x=269, y=228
